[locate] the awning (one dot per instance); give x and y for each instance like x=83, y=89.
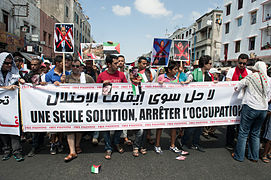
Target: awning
x=29, y=56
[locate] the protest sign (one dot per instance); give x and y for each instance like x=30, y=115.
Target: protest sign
x=92, y=51
x=160, y=52
x=180, y=50
x=63, y=38
x=82, y=107
x=9, y=115
x=111, y=48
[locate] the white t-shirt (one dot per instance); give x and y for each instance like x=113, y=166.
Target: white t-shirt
x=231, y=72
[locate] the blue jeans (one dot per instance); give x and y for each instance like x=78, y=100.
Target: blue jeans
x=107, y=139
x=193, y=132
x=251, y=122
x=96, y=134
x=140, y=139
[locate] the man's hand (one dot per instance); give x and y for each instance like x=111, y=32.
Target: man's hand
x=22, y=81
x=63, y=78
x=56, y=83
x=43, y=83
x=11, y=87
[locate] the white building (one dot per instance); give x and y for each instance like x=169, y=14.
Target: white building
x=204, y=36
x=246, y=29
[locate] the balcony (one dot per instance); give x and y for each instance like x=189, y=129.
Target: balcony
x=205, y=42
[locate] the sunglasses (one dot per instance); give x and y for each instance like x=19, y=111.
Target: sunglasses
x=242, y=63
x=76, y=66
x=7, y=63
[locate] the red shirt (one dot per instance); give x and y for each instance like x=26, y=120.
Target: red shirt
x=118, y=77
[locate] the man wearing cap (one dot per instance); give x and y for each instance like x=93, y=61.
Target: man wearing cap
x=236, y=74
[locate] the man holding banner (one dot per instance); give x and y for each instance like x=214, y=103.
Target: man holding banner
x=112, y=75
x=74, y=138
x=9, y=77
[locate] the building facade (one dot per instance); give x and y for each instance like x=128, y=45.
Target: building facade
x=204, y=36
x=246, y=29
x=69, y=11
x=19, y=26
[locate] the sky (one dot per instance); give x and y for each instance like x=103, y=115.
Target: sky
x=135, y=23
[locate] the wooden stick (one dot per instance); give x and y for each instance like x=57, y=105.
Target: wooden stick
x=63, y=61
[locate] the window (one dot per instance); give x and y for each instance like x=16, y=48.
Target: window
x=80, y=23
x=182, y=36
x=253, y=17
x=49, y=39
x=186, y=34
x=226, y=46
x=251, y=45
x=239, y=21
x=190, y=31
x=44, y=36
x=240, y=4
x=228, y=10
x=77, y=35
x=227, y=28
x=237, y=46
x=5, y=18
x=67, y=11
x=76, y=17
x=197, y=56
x=202, y=52
x=253, y=1
x=199, y=25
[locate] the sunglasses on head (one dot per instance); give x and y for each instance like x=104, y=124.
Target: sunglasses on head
x=242, y=63
x=76, y=66
x=7, y=63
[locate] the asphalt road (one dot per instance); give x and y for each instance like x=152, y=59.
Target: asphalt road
x=215, y=163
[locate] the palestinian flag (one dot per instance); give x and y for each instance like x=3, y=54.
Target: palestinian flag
x=95, y=169
x=136, y=89
x=111, y=48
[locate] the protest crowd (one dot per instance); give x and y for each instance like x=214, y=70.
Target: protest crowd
x=254, y=130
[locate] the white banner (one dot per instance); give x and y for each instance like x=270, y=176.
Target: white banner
x=9, y=116
x=82, y=107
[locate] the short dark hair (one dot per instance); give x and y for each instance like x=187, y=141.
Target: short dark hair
x=109, y=58
x=243, y=56
x=204, y=60
x=36, y=59
x=171, y=65
x=142, y=58
x=58, y=59
x=77, y=60
x=121, y=56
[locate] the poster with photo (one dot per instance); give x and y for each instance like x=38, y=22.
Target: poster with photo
x=92, y=51
x=63, y=38
x=181, y=50
x=160, y=52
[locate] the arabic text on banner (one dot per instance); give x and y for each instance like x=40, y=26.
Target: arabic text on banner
x=9, y=121
x=82, y=107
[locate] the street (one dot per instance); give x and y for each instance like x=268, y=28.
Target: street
x=215, y=163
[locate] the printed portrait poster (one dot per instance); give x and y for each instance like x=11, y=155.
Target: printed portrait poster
x=111, y=48
x=63, y=38
x=181, y=50
x=160, y=52
x=92, y=51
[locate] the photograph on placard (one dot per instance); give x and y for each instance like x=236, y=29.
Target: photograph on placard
x=160, y=52
x=181, y=50
x=63, y=38
x=92, y=51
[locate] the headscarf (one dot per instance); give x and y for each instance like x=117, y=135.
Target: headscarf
x=259, y=80
x=13, y=75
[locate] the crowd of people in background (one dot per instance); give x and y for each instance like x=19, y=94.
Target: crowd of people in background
x=254, y=86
